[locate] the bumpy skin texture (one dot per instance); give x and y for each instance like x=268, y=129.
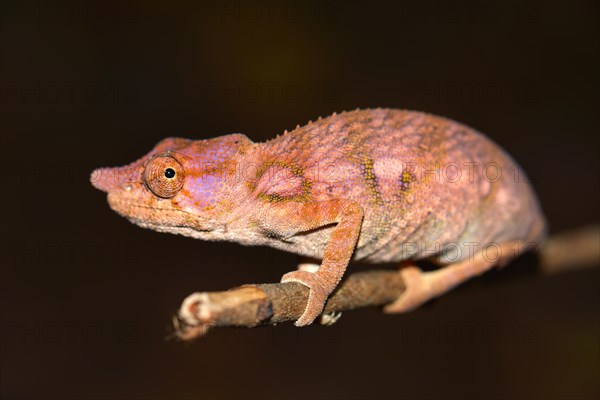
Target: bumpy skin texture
x=375, y=185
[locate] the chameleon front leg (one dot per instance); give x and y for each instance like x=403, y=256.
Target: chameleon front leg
x=424, y=286
x=347, y=215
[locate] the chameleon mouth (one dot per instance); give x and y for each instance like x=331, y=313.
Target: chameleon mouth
x=153, y=216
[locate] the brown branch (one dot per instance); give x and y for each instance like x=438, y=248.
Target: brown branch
x=252, y=305
x=571, y=250
x=261, y=304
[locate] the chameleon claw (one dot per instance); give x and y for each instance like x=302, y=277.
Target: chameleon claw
x=330, y=318
x=316, y=298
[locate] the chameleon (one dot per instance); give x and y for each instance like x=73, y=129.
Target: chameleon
x=371, y=185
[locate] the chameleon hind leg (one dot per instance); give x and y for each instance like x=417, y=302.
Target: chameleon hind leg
x=424, y=286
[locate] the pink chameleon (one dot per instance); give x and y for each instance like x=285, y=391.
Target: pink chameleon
x=376, y=185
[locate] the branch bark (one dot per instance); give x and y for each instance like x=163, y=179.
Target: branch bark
x=262, y=304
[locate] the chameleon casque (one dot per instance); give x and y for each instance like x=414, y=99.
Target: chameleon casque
x=375, y=185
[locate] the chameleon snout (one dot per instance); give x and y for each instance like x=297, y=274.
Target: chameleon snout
x=99, y=180
x=112, y=179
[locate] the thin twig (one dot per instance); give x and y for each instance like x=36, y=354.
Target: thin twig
x=261, y=304
x=571, y=250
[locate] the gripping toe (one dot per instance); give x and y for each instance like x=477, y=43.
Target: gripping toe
x=316, y=298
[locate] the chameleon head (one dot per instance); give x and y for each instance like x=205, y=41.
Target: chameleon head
x=181, y=186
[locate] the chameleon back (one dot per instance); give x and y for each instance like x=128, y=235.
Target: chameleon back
x=429, y=186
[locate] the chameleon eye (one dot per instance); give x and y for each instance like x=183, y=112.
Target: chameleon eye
x=164, y=176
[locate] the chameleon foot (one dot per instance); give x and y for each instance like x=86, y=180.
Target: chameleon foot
x=418, y=291
x=316, y=298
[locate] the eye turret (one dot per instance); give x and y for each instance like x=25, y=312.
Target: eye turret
x=164, y=176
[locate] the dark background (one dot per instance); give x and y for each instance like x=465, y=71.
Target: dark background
x=87, y=297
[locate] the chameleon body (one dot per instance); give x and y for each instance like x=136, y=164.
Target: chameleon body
x=375, y=185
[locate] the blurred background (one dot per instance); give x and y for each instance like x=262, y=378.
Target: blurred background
x=87, y=298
